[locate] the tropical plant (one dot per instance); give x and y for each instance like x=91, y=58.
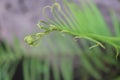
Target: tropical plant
x=76, y=43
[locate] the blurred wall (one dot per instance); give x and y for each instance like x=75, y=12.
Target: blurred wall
x=19, y=17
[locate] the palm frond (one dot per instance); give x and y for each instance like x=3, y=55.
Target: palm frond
x=87, y=23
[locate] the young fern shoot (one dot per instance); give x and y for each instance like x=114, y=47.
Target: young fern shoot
x=87, y=23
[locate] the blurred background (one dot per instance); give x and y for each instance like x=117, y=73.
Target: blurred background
x=18, y=18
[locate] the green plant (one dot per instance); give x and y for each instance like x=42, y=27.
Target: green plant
x=76, y=44
x=86, y=23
